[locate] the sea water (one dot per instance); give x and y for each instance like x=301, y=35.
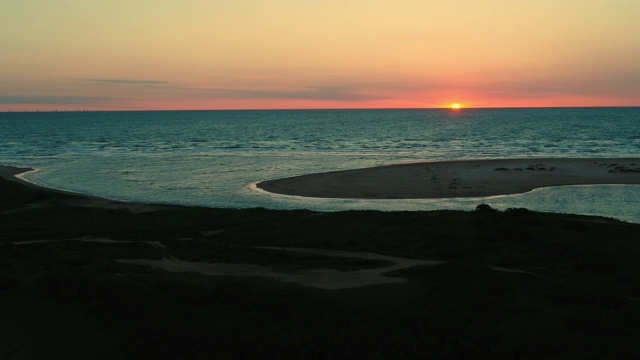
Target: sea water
x=212, y=158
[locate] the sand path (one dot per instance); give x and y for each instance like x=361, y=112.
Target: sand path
x=328, y=279
x=156, y=244
x=318, y=278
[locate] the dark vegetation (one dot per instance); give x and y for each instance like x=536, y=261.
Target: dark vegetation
x=576, y=294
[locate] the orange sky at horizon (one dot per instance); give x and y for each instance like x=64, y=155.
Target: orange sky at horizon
x=197, y=54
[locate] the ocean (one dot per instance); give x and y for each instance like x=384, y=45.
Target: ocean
x=212, y=158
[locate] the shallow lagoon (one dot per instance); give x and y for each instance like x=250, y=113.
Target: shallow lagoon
x=211, y=158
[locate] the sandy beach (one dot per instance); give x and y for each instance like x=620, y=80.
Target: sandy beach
x=12, y=173
x=455, y=179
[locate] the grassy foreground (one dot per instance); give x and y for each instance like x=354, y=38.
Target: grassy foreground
x=576, y=294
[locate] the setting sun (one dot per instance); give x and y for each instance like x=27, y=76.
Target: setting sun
x=455, y=106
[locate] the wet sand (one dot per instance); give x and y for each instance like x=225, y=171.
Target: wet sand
x=456, y=179
x=14, y=174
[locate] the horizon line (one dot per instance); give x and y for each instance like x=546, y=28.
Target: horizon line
x=316, y=109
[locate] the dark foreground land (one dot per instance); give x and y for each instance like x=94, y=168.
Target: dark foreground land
x=513, y=284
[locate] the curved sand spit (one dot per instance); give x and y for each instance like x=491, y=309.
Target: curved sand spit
x=448, y=179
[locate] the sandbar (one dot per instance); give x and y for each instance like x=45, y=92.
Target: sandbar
x=457, y=179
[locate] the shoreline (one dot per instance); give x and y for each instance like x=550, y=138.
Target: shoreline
x=14, y=174
x=458, y=178
x=449, y=179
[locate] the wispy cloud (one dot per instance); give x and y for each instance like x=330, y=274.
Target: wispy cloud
x=52, y=100
x=129, y=81
x=314, y=93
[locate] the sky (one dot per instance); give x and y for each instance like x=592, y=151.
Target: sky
x=289, y=54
